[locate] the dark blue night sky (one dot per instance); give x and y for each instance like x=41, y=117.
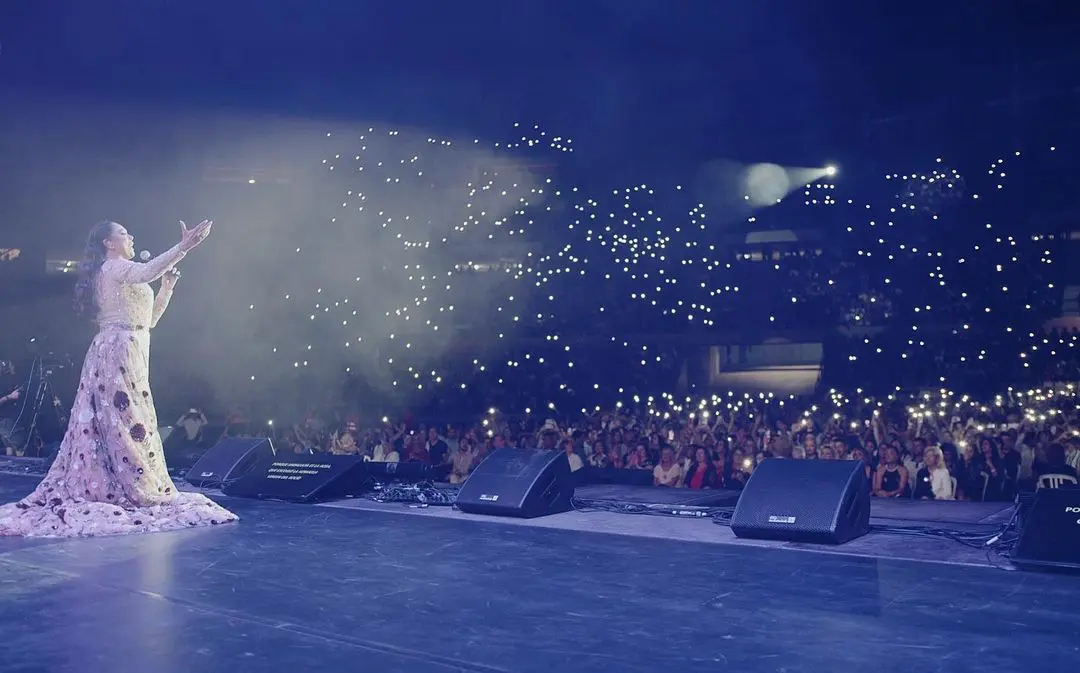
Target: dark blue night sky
x=678, y=80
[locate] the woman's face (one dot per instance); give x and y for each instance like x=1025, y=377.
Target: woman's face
x=931, y=459
x=120, y=242
x=700, y=456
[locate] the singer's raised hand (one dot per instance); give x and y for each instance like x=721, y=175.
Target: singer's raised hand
x=189, y=238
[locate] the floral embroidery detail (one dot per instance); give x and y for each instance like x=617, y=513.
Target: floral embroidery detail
x=138, y=432
x=101, y=387
x=121, y=400
x=146, y=393
x=123, y=370
x=55, y=501
x=109, y=496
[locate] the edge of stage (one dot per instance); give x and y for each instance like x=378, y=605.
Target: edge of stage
x=355, y=584
x=875, y=545
x=953, y=516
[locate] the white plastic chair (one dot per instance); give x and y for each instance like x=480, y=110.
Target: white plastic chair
x=1054, y=481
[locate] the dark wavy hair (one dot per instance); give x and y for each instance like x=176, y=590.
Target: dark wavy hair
x=86, y=306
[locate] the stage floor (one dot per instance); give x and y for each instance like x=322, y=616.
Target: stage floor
x=358, y=586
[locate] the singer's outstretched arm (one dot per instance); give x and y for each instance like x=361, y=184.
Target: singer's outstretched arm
x=127, y=271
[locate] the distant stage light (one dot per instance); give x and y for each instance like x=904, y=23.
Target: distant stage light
x=830, y=171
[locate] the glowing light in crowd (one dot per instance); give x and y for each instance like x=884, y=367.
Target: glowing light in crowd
x=638, y=256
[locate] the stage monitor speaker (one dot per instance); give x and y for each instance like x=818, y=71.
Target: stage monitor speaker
x=822, y=501
x=227, y=460
x=522, y=483
x=302, y=477
x=1050, y=532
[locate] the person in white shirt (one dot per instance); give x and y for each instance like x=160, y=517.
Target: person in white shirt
x=192, y=422
x=384, y=453
x=575, y=460
x=668, y=473
x=933, y=481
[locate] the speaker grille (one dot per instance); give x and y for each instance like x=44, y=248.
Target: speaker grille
x=823, y=501
x=520, y=483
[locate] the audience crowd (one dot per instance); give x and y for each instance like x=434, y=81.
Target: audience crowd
x=931, y=446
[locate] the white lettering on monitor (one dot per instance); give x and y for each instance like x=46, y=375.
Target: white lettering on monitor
x=781, y=519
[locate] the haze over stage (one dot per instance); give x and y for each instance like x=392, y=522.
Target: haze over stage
x=356, y=585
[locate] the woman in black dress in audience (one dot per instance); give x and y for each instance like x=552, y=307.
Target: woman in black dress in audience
x=891, y=478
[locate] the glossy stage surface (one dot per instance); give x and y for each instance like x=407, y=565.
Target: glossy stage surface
x=305, y=588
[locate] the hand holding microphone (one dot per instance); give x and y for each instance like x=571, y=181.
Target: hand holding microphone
x=168, y=281
x=169, y=278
